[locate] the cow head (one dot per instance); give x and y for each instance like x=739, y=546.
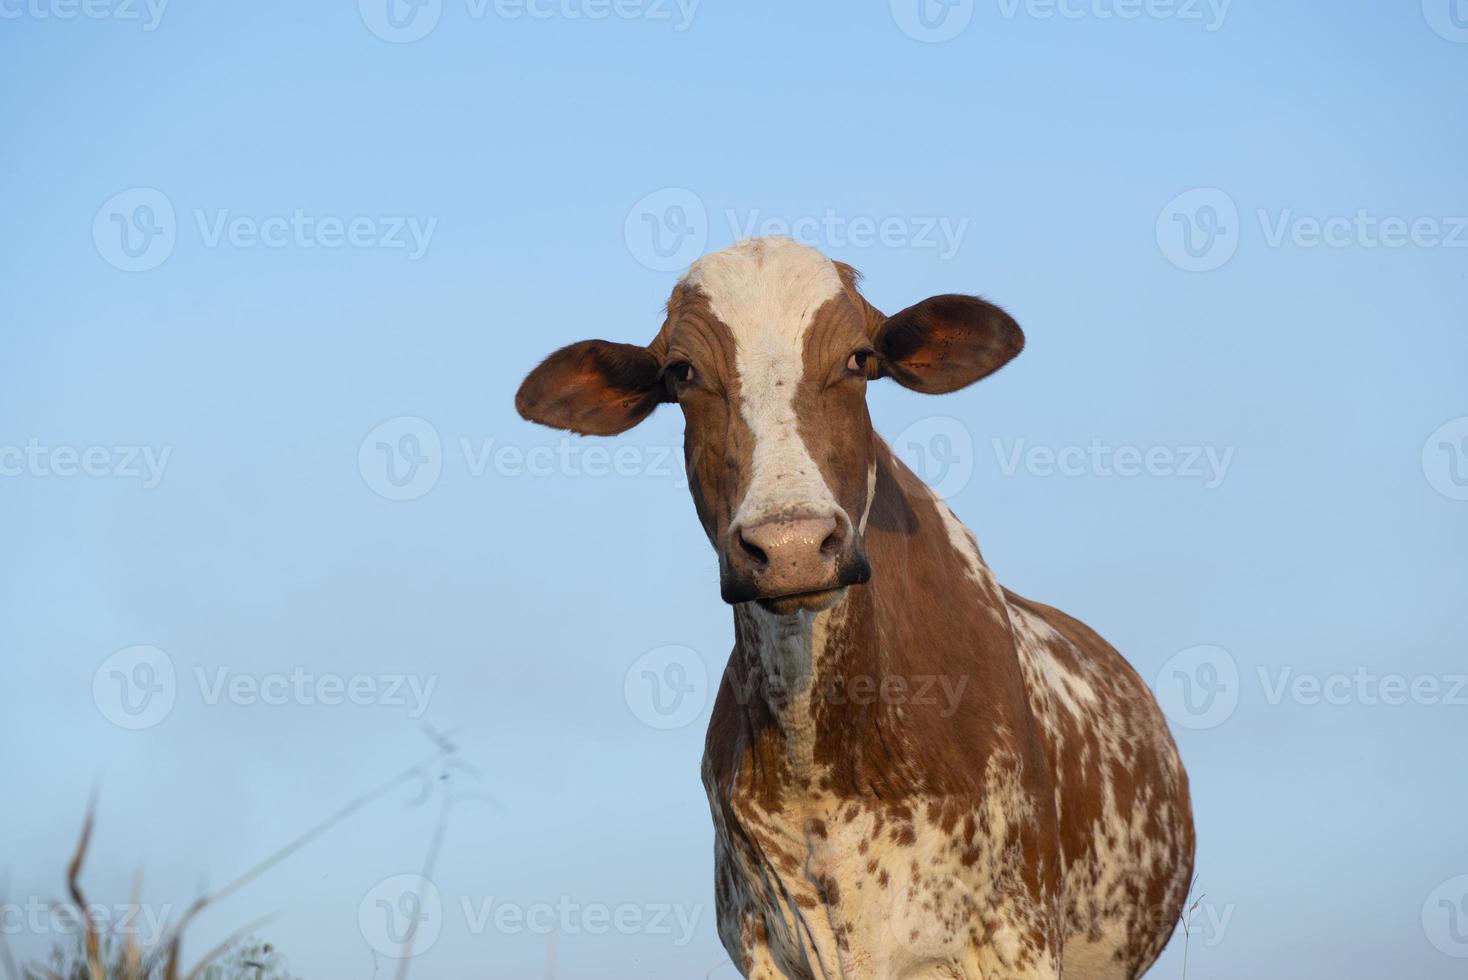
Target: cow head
x=768, y=348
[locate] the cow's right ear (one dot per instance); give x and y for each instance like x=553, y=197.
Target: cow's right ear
x=596, y=388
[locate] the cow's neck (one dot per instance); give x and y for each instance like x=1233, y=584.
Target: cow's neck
x=788, y=661
x=830, y=695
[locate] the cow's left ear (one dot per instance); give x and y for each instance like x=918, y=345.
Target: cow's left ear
x=946, y=343
x=596, y=388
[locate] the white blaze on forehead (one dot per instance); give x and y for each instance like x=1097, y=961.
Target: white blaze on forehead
x=767, y=292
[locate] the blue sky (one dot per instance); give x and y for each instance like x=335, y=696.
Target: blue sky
x=1235, y=235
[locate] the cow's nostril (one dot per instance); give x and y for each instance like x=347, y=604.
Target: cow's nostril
x=753, y=551
x=832, y=545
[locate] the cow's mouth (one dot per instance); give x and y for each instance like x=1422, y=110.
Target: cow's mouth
x=814, y=601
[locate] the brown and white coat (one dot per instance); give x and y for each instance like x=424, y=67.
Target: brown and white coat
x=912, y=771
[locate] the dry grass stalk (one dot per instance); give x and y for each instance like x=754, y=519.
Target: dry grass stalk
x=129, y=962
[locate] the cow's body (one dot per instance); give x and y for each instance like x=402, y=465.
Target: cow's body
x=913, y=773
x=1010, y=806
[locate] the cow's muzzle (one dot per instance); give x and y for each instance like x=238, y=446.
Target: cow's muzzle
x=788, y=564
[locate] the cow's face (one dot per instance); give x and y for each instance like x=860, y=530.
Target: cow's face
x=768, y=349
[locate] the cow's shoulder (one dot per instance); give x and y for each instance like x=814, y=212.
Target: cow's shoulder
x=1048, y=639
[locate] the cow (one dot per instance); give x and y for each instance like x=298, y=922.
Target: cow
x=913, y=772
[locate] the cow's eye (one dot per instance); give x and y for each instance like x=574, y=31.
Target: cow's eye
x=857, y=362
x=681, y=372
